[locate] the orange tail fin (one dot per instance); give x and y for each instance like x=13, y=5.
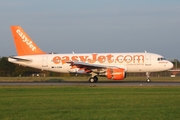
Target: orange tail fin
x=24, y=44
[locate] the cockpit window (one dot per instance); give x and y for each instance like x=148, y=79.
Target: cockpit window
x=161, y=58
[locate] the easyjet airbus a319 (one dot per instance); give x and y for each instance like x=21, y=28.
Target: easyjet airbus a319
x=112, y=65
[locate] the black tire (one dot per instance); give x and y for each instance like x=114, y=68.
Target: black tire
x=95, y=79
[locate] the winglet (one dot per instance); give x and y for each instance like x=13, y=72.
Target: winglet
x=24, y=44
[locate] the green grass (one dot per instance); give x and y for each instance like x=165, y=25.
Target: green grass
x=89, y=103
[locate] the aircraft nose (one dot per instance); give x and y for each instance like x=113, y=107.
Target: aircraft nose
x=170, y=65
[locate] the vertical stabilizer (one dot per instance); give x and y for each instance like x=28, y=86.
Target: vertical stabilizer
x=24, y=44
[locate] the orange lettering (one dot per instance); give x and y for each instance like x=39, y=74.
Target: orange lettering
x=128, y=58
x=138, y=58
x=65, y=59
x=93, y=60
x=119, y=59
x=56, y=60
x=83, y=58
x=101, y=59
x=109, y=58
x=74, y=58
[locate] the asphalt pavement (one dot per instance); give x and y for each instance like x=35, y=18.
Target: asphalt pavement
x=127, y=83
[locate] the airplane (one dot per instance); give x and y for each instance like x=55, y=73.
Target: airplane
x=114, y=66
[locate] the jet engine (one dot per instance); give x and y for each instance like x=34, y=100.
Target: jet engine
x=116, y=73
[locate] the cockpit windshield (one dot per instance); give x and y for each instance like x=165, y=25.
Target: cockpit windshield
x=161, y=58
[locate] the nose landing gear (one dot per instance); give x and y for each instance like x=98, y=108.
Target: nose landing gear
x=148, y=77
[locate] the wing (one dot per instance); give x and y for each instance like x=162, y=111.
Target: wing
x=87, y=65
x=87, y=68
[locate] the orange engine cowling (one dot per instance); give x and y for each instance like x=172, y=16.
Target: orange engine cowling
x=116, y=73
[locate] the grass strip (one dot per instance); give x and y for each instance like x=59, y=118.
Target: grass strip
x=90, y=103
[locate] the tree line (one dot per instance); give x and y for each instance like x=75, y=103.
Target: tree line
x=8, y=69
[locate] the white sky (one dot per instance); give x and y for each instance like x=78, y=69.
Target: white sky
x=90, y=26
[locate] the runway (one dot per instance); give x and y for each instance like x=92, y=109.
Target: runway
x=89, y=84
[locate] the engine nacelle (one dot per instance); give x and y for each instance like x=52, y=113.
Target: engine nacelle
x=116, y=73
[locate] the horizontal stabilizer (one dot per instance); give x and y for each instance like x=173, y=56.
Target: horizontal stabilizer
x=21, y=59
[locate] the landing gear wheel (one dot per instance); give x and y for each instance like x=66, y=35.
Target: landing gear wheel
x=148, y=80
x=93, y=79
x=148, y=77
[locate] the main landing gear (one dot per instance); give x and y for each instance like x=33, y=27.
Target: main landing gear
x=148, y=77
x=93, y=79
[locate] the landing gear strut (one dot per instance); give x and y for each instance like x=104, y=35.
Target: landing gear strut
x=93, y=79
x=148, y=77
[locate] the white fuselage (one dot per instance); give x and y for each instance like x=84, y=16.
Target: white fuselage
x=131, y=62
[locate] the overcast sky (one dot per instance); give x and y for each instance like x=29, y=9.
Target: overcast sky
x=90, y=26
